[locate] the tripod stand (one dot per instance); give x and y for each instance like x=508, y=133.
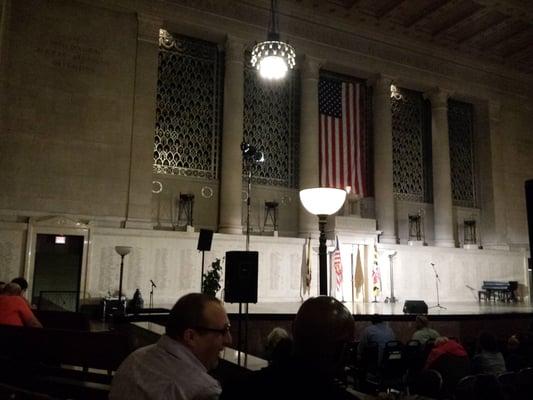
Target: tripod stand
x=437, y=280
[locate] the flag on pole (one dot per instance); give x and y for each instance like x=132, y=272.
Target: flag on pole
x=337, y=266
x=307, y=266
x=376, y=274
x=359, y=279
x=342, y=134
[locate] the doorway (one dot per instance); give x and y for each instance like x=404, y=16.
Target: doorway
x=57, y=273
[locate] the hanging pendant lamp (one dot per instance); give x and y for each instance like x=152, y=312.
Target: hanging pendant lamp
x=273, y=58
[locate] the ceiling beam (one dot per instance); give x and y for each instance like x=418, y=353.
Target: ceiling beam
x=518, y=9
x=488, y=30
x=426, y=13
x=499, y=41
x=386, y=10
x=522, y=51
x=478, y=13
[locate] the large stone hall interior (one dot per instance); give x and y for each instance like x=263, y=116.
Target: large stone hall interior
x=134, y=133
x=121, y=124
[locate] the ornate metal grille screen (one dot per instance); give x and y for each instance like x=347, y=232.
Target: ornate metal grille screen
x=460, y=127
x=410, y=140
x=189, y=93
x=271, y=117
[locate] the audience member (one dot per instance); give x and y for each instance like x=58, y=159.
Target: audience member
x=451, y=360
x=379, y=332
x=423, y=332
x=177, y=366
x=278, y=347
x=14, y=310
x=516, y=355
x=23, y=283
x=489, y=360
x=322, y=330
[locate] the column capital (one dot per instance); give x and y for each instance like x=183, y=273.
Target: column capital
x=148, y=28
x=234, y=49
x=381, y=84
x=438, y=97
x=311, y=66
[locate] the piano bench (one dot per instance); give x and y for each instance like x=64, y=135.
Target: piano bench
x=482, y=294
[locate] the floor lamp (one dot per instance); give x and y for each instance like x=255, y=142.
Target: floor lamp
x=122, y=251
x=322, y=202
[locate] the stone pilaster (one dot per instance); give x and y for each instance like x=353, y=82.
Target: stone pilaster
x=231, y=169
x=496, y=236
x=139, y=207
x=442, y=183
x=309, y=168
x=383, y=179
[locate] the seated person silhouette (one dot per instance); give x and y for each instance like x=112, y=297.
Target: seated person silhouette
x=322, y=329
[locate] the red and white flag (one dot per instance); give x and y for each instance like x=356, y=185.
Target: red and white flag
x=342, y=134
x=337, y=267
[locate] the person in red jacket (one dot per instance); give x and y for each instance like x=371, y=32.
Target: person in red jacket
x=14, y=310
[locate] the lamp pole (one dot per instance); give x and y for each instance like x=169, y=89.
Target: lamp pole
x=322, y=202
x=322, y=255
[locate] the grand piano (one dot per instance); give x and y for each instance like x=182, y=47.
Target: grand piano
x=498, y=290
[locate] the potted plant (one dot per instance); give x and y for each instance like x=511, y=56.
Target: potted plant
x=211, y=279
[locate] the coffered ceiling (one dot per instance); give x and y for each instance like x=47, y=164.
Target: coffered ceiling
x=500, y=31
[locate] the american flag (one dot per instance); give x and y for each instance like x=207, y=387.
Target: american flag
x=341, y=132
x=337, y=266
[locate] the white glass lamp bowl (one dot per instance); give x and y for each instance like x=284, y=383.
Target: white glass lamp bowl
x=322, y=201
x=123, y=250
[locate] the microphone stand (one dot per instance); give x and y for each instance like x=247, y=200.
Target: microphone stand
x=152, y=284
x=437, y=280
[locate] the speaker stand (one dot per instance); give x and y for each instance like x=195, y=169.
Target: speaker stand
x=202, y=275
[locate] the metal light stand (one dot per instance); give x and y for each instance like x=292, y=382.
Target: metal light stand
x=437, y=280
x=250, y=156
x=391, y=299
x=122, y=251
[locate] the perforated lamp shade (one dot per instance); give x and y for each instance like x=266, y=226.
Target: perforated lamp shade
x=322, y=201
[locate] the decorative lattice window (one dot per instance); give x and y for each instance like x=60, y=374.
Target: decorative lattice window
x=460, y=128
x=189, y=94
x=410, y=147
x=271, y=118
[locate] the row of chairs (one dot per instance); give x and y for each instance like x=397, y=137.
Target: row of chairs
x=508, y=385
x=369, y=372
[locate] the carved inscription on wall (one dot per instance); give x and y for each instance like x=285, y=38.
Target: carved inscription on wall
x=73, y=54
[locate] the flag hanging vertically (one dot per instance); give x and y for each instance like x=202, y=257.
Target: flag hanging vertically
x=376, y=274
x=337, y=266
x=307, y=267
x=342, y=134
x=359, y=278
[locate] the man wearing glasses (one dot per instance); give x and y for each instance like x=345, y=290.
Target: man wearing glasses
x=177, y=366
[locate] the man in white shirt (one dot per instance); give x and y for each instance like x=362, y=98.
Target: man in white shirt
x=177, y=366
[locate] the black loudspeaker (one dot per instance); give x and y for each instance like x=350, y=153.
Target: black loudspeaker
x=415, y=307
x=529, y=208
x=204, y=240
x=240, y=283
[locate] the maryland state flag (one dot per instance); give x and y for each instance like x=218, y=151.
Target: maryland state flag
x=376, y=274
